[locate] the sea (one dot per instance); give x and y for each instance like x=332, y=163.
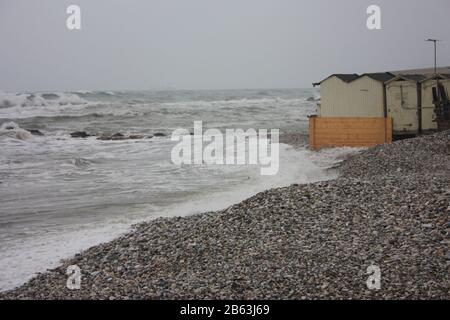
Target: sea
x=60, y=195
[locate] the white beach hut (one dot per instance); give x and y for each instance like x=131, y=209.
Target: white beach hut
x=353, y=96
x=403, y=98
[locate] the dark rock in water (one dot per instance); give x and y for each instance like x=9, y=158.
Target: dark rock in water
x=35, y=132
x=80, y=134
x=9, y=128
x=104, y=137
x=136, y=137
x=117, y=135
x=149, y=137
x=160, y=134
x=312, y=99
x=120, y=136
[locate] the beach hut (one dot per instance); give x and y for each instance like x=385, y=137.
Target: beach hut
x=352, y=111
x=403, y=99
x=351, y=95
x=333, y=94
x=428, y=118
x=369, y=109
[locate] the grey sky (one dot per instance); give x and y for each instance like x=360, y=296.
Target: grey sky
x=211, y=44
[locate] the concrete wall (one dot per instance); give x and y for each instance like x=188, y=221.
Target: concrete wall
x=349, y=132
x=402, y=99
x=363, y=97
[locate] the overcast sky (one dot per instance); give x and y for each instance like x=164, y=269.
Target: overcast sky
x=211, y=44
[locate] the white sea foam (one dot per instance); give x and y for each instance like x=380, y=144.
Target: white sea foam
x=12, y=129
x=19, y=106
x=7, y=126
x=39, y=99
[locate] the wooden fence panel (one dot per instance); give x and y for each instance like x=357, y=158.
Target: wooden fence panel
x=349, y=132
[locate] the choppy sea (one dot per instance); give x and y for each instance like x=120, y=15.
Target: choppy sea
x=60, y=195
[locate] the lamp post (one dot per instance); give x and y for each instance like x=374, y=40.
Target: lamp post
x=435, y=41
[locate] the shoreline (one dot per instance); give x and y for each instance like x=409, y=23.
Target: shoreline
x=388, y=207
x=45, y=252
x=79, y=240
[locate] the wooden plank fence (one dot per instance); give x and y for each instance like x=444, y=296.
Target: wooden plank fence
x=349, y=132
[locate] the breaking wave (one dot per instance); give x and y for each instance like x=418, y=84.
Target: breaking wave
x=12, y=129
x=8, y=100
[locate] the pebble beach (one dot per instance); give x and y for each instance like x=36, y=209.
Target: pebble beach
x=389, y=207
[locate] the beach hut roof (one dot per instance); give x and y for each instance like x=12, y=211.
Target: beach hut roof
x=424, y=71
x=417, y=75
x=344, y=77
x=380, y=76
x=408, y=77
x=438, y=76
